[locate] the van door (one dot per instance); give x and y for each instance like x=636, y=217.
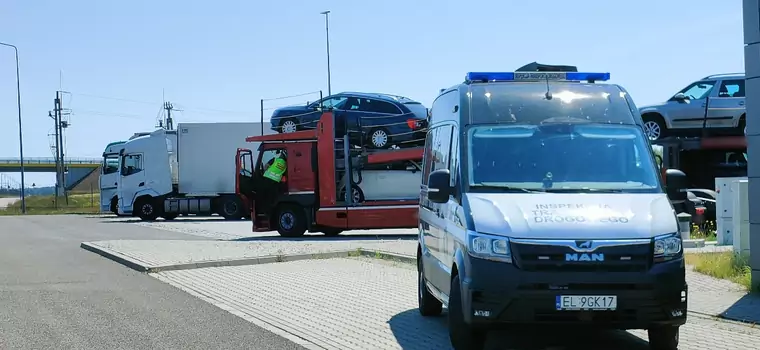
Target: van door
x=432, y=215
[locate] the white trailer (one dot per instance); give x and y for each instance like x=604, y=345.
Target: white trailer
x=195, y=177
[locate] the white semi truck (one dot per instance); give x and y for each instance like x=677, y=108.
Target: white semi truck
x=109, y=175
x=191, y=172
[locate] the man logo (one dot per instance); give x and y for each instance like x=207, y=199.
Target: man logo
x=583, y=244
x=594, y=257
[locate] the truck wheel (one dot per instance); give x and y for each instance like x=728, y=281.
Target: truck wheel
x=663, y=338
x=291, y=221
x=463, y=336
x=232, y=208
x=146, y=209
x=428, y=304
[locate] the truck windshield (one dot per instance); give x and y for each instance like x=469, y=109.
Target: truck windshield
x=110, y=163
x=561, y=157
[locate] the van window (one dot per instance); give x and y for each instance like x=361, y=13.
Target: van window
x=441, y=147
x=560, y=156
x=454, y=156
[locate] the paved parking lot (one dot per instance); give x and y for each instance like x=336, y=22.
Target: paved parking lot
x=362, y=303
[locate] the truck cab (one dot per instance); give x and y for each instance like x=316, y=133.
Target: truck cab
x=146, y=170
x=551, y=213
x=109, y=177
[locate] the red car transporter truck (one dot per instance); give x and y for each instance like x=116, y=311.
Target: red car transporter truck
x=311, y=196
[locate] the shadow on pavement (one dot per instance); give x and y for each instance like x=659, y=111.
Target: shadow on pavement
x=321, y=237
x=215, y=220
x=412, y=332
x=746, y=309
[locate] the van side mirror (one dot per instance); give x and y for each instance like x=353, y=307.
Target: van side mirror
x=676, y=184
x=439, y=188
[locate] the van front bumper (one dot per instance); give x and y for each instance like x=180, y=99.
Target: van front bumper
x=499, y=294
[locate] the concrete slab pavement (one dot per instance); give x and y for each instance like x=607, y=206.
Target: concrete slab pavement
x=707, y=296
x=369, y=304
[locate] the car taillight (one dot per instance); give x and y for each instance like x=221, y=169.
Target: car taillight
x=413, y=123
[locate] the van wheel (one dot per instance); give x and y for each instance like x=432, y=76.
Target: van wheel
x=114, y=206
x=428, y=304
x=146, y=210
x=232, y=208
x=663, y=338
x=463, y=336
x=291, y=221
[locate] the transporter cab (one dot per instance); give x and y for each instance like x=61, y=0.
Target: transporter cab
x=542, y=204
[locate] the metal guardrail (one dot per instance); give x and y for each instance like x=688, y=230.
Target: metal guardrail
x=51, y=160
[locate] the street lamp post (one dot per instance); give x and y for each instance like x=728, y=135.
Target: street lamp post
x=327, y=34
x=20, y=130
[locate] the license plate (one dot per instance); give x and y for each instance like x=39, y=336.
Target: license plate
x=586, y=302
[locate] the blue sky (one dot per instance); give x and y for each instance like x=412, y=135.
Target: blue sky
x=217, y=59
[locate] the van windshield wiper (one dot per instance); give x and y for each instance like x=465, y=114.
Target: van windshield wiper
x=508, y=189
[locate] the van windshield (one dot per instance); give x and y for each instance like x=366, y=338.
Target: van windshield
x=527, y=103
x=561, y=157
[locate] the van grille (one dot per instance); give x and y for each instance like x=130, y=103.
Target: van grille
x=547, y=258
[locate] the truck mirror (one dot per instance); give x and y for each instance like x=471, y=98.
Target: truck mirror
x=439, y=188
x=676, y=184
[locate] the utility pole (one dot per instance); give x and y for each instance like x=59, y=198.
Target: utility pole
x=60, y=125
x=56, y=147
x=169, y=124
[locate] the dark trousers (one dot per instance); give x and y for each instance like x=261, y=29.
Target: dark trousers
x=266, y=195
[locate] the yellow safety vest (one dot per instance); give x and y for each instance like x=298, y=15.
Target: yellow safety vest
x=276, y=170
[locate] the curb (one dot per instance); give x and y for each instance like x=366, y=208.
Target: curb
x=141, y=266
x=116, y=256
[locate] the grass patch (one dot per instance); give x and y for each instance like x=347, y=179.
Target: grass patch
x=707, y=231
x=46, y=205
x=723, y=265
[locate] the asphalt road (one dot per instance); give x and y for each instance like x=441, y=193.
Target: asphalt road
x=55, y=295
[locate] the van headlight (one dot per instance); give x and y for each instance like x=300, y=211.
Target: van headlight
x=667, y=247
x=489, y=247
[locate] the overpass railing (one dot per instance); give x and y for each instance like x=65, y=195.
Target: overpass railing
x=51, y=160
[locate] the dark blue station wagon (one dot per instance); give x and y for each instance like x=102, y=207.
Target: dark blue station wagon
x=374, y=119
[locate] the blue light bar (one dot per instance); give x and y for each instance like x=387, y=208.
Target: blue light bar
x=487, y=77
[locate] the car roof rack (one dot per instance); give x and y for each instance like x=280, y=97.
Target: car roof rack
x=721, y=75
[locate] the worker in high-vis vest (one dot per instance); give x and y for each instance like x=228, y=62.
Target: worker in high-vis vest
x=277, y=169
